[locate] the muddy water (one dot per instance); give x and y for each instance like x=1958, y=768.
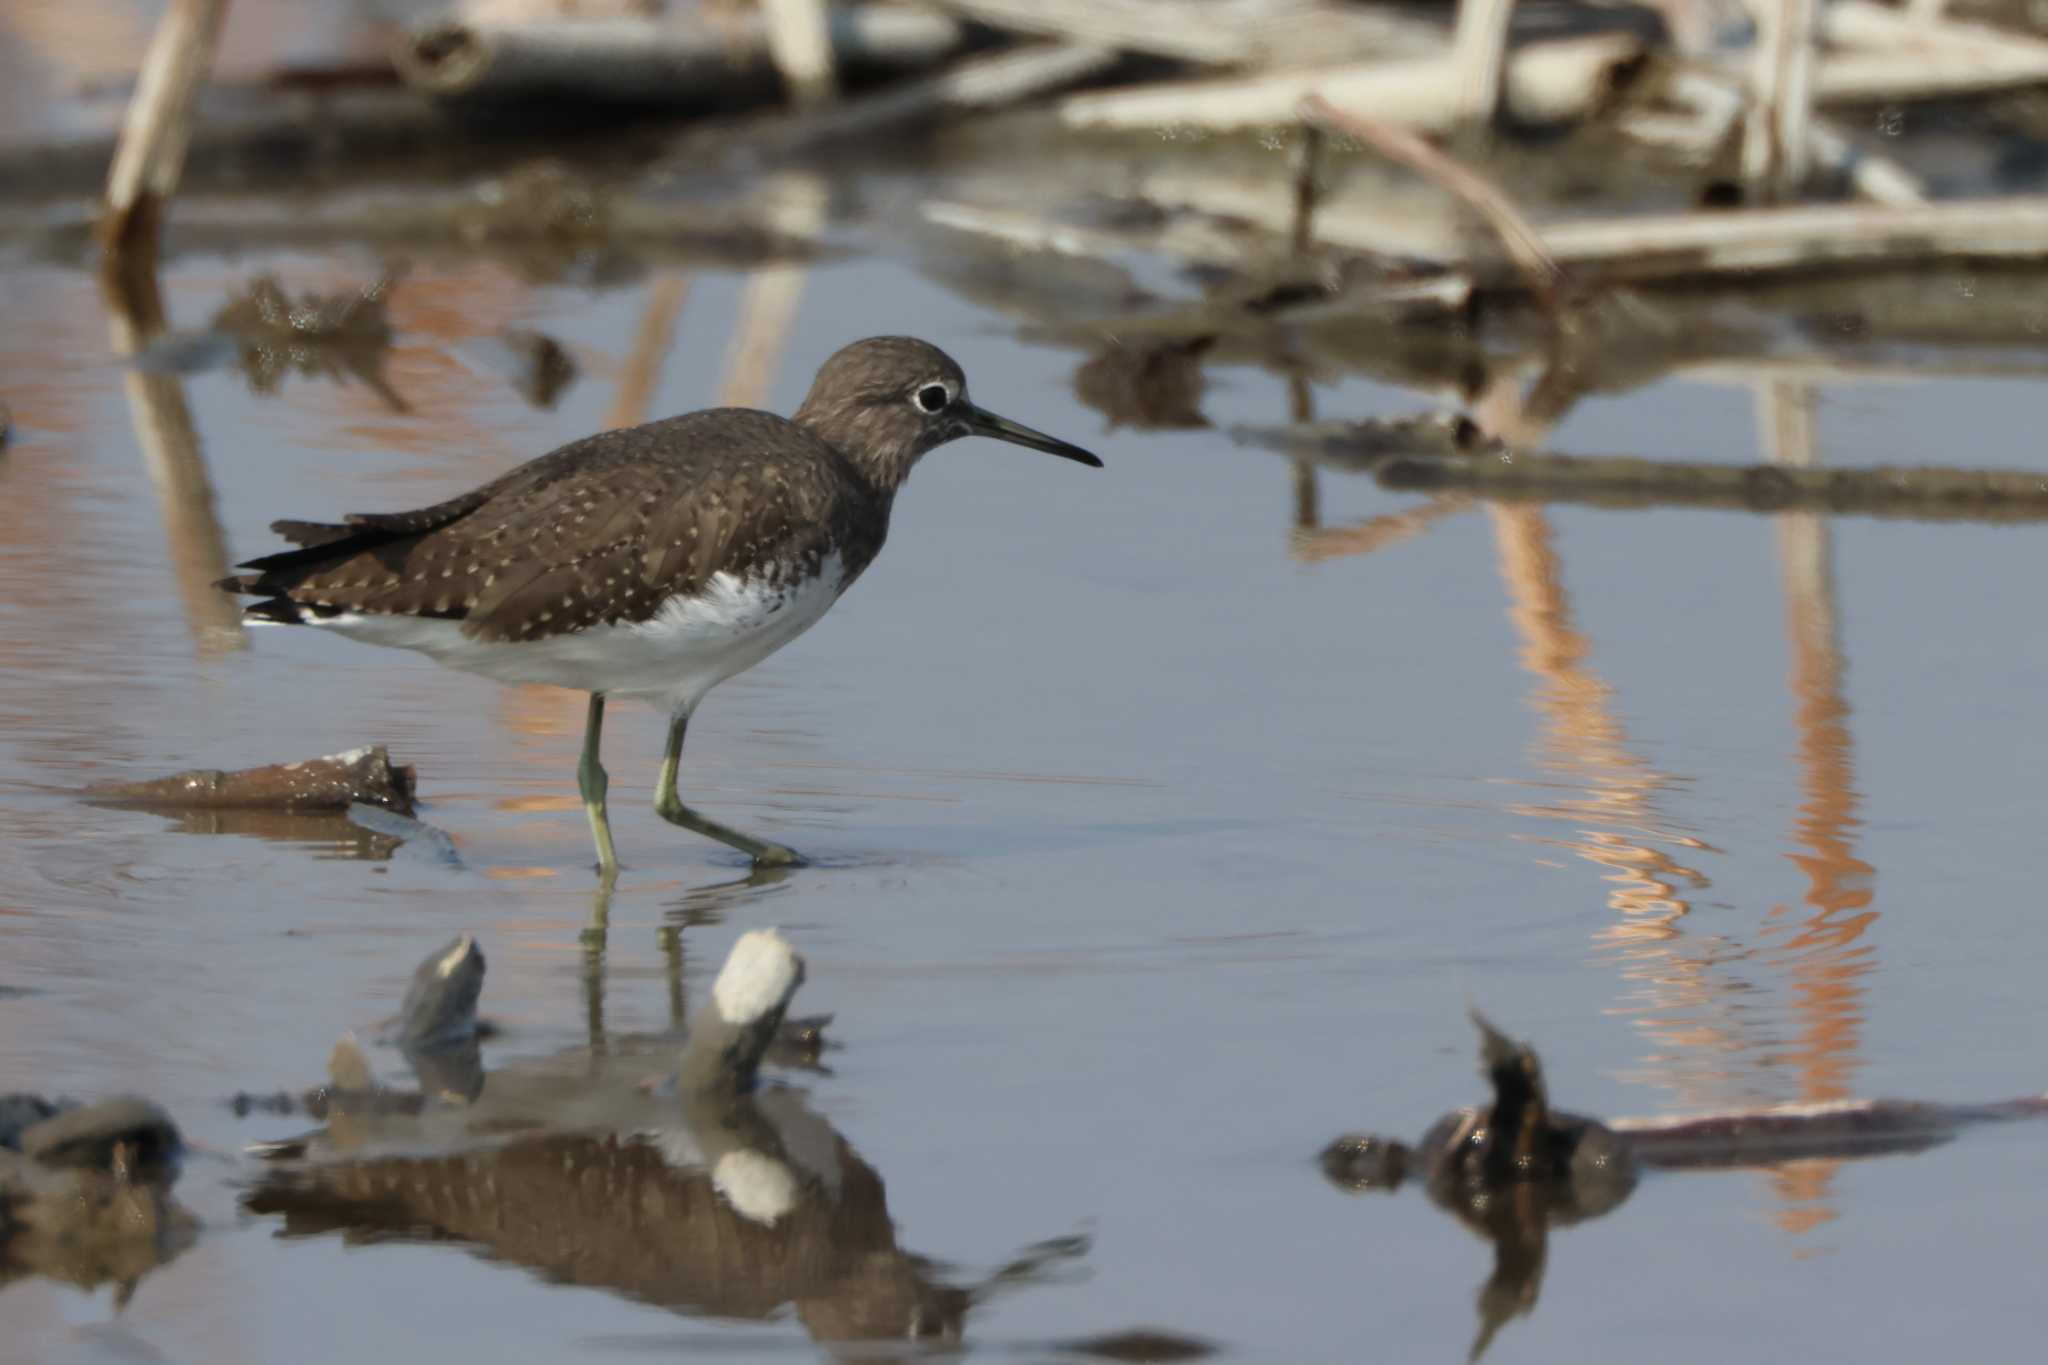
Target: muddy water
x=1158, y=839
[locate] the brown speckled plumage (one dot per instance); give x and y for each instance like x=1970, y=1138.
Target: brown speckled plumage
x=603, y=530
x=607, y=528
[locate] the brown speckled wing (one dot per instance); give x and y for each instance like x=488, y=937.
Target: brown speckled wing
x=604, y=530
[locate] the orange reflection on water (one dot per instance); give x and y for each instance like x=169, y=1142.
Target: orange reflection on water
x=1822, y=953
x=1682, y=997
x=1582, y=740
x=1313, y=544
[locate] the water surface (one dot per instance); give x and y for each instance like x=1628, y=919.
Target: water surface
x=1158, y=840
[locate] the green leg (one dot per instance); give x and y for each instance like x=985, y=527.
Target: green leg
x=591, y=781
x=670, y=807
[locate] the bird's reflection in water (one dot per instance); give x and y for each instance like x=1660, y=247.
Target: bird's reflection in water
x=733, y=1212
x=650, y=1166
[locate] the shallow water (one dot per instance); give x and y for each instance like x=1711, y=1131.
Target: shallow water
x=1157, y=842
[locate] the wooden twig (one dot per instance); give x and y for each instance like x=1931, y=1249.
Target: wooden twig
x=1190, y=239
x=1517, y=237
x=158, y=127
x=1925, y=493
x=1695, y=245
x=1925, y=365
x=995, y=82
x=1886, y=55
x=1434, y=456
x=1864, y=23
x=1227, y=33
x=651, y=61
x=1546, y=83
x=1757, y=241
x=800, y=41
x=1308, y=157
x=1480, y=47
x=1775, y=140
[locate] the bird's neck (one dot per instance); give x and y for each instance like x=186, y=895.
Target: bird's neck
x=863, y=438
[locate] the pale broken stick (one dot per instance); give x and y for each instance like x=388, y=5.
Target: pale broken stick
x=996, y=82
x=1479, y=45
x=1883, y=54
x=1679, y=246
x=1224, y=33
x=650, y=60
x=158, y=125
x=1553, y=82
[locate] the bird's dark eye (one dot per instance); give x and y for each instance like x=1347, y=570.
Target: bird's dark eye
x=933, y=397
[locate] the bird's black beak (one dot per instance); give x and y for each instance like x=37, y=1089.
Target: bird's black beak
x=982, y=422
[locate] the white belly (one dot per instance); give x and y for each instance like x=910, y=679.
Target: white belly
x=683, y=651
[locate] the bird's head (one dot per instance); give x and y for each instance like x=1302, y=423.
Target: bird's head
x=885, y=401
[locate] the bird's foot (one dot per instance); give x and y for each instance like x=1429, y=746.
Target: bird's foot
x=777, y=855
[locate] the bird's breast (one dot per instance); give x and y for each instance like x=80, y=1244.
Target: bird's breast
x=730, y=624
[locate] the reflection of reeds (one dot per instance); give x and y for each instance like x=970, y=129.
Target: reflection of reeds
x=1312, y=544
x=170, y=451
x=1582, y=739
x=1679, y=997
x=1822, y=954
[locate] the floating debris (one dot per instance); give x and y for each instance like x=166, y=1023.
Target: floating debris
x=332, y=783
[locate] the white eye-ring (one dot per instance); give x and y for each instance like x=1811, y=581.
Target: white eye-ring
x=933, y=398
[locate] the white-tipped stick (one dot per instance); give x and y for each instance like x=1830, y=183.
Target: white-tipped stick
x=748, y=1000
x=760, y=975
